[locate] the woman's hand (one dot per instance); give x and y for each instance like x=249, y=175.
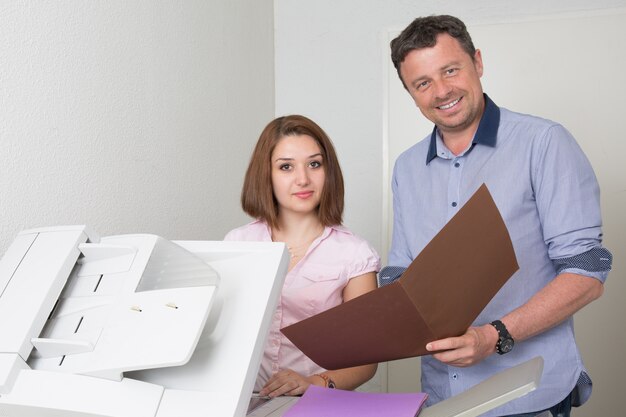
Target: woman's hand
x=288, y=382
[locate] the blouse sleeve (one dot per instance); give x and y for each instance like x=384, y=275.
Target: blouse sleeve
x=231, y=235
x=364, y=260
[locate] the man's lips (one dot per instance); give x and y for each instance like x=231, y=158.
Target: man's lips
x=450, y=104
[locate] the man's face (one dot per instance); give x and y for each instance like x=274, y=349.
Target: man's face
x=444, y=82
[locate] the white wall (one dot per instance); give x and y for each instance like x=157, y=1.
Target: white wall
x=131, y=116
x=329, y=65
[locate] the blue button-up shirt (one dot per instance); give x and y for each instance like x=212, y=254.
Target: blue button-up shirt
x=548, y=196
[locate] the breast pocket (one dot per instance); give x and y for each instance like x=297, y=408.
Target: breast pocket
x=317, y=288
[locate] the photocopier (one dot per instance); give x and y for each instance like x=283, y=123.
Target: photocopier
x=133, y=325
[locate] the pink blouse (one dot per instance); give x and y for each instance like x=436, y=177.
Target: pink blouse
x=315, y=284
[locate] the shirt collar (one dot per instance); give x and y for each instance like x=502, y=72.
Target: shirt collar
x=486, y=134
x=325, y=233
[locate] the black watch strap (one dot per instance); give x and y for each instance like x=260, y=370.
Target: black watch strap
x=505, y=340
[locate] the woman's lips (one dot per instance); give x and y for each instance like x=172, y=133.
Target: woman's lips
x=304, y=194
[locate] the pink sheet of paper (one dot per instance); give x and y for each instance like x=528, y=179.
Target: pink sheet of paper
x=318, y=401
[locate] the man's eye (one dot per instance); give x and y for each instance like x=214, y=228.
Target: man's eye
x=451, y=71
x=421, y=85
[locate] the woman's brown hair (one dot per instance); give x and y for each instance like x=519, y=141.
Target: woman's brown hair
x=257, y=196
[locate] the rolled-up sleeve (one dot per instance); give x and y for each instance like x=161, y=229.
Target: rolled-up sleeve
x=568, y=202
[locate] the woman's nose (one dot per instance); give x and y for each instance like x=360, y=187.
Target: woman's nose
x=302, y=176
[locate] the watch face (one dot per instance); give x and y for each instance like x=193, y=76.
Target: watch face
x=506, y=345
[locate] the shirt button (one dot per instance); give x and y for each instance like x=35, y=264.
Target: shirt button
x=454, y=204
x=456, y=164
x=454, y=376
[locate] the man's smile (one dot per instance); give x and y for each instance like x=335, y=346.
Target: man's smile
x=449, y=105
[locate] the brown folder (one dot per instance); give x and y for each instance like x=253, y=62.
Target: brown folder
x=439, y=295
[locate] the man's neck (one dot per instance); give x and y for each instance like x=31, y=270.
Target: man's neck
x=457, y=143
x=458, y=139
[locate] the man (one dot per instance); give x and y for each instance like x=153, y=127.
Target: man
x=547, y=194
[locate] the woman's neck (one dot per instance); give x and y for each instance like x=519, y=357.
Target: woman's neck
x=298, y=233
x=297, y=227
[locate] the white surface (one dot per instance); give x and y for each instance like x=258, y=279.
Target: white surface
x=491, y=393
x=149, y=315
x=274, y=408
x=53, y=394
x=188, y=403
x=12, y=258
x=146, y=310
x=35, y=286
x=102, y=258
x=10, y=366
x=226, y=361
x=136, y=331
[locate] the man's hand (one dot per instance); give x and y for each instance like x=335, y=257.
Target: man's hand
x=466, y=350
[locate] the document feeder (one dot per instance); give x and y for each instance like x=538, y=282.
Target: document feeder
x=132, y=325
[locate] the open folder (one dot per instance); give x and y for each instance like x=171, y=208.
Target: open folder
x=439, y=295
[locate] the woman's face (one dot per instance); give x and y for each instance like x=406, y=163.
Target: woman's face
x=297, y=174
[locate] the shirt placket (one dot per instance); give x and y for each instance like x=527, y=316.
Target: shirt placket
x=454, y=183
x=455, y=375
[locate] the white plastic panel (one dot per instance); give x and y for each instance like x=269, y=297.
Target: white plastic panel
x=149, y=314
x=105, y=323
x=491, y=393
x=226, y=361
x=10, y=365
x=140, y=331
x=187, y=403
x=35, y=286
x=52, y=394
x=13, y=256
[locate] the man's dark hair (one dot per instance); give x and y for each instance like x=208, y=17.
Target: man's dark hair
x=423, y=32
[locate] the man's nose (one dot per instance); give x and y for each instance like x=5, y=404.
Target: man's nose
x=442, y=89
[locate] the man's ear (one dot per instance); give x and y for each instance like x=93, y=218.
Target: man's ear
x=478, y=62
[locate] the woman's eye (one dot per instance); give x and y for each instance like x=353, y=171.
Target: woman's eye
x=315, y=164
x=285, y=167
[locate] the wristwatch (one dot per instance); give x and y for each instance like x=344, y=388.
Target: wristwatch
x=505, y=340
x=327, y=381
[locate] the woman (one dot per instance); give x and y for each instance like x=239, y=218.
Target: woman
x=294, y=188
